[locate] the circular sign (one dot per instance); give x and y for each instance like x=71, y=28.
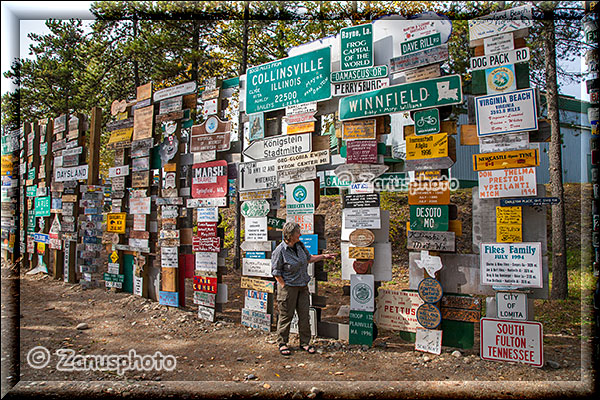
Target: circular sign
x=362, y=237
x=362, y=266
x=299, y=193
x=255, y=208
x=501, y=79
x=429, y=316
x=362, y=293
x=170, y=127
x=212, y=123
x=430, y=290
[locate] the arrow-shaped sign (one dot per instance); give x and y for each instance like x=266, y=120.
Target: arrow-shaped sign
x=278, y=146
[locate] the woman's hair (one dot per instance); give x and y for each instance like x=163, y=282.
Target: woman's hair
x=289, y=228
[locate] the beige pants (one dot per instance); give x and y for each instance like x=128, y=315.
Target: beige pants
x=290, y=299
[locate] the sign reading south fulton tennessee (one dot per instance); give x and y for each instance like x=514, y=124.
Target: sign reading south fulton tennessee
x=405, y=97
x=293, y=80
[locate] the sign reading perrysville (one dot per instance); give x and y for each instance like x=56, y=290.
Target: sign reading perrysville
x=293, y=80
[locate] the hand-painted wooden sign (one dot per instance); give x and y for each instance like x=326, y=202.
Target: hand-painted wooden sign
x=362, y=238
x=361, y=152
x=362, y=266
x=427, y=146
x=170, y=299
x=296, y=175
x=512, y=341
x=256, y=300
x=430, y=240
x=256, y=267
x=209, y=179
x=509, y=224
x=206, y=229
x=362, y=129
x=257, y=284
x=205, y=284
x=211, y=142
x=424, y=57
x=207, y=214
x=140, y=205
x=513, y=182
x=428, y=341
x=302, y=127
x=429, y=218
x=206, y=313
x=499, y=22
x=437, y=92
x=362, y=292
x=506, y=159
x=430, y=290
x=361, y=253
x=397, y=310
x=506, y=112
x=205, y=299
x=209, y=244
x=143, y=123
x=428, y=192
x=256, y=319
x=429, y=316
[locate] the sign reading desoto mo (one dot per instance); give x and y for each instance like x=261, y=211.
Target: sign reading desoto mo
x=289, y=81
x=405, y=97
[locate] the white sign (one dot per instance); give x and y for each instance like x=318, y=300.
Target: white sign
x=206, y=262
x=361, y=187
x=256, y=267
x=506, y=112
x=184, y=88
x=278, y=146
x=122, y=170
x=514, y=265
x=71, y=174
x=348, y=88
x=209, y=202
x=361, y=218
x=498, y=43
x=255, y=300
x=139, y=222
x=431, y=264
x=257, y=175
x=255, y=229
x=140, y=205
x=208, y=214
x=514, y=182
x=505, y=142
x=500, y=22
x=500, y=59
x=303, y=160
x=169, y=257
x=429, y=340
x=362, y=292
x=512, y=341
x=512, y=305
x=312, y=314
x=306, y=222
x=300, y=198
x=303, y=108
x=397, y=310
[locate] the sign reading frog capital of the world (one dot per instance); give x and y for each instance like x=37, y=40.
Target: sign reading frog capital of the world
x=293, y=80
x=405, y=97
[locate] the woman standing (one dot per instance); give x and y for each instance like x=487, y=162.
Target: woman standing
x=289, y=266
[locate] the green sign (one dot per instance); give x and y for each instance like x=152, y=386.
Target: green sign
x=42, y=206
x=380, y=71
x=31, y=191
x=113, y=277
x=43, y=149
x=356, y=47
x=361, y=327
x=405, y=97
x=332, y=181
x=427, y=121
x=31, y=223
x=276, y=223
x=427, y=42
x=429, y=218
x=31, y=174
x=293, y=80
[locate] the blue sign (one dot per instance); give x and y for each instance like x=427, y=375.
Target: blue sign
x=92, y=240
x=311, y=242
x=41, y=238
x=168, y=298
x=256, y=254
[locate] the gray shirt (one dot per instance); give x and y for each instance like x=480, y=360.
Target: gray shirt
x=291, y=264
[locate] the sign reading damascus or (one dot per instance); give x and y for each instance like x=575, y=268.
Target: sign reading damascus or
x=209, y=179
x=289, y=81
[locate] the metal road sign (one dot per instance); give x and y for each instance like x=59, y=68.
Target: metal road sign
x=278, y=146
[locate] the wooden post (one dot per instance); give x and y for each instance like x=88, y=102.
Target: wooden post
x=94, y=146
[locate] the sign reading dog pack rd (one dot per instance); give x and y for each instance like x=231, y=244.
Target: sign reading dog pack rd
x=292, y=80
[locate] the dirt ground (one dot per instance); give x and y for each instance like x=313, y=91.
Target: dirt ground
x=227, y=352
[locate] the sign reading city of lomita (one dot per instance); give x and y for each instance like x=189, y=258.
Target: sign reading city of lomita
x=405, y=97
x=293, y=80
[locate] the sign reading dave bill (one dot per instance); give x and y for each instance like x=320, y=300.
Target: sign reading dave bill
x=293, y=80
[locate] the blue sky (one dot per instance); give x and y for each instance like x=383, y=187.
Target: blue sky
x=21, y=17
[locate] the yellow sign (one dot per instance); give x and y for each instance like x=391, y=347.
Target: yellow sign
x=301, y=128
x=41, y=248
x=428, y=146
x=506, y=159
x=7, y=164
x=509, y=224
x=115, y=222
x=114, y=256
x=120, y=135
x=362, y=129
x=361, y=253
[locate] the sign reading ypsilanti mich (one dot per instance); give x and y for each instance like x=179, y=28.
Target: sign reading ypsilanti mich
x=292, y=80
x=409, y=96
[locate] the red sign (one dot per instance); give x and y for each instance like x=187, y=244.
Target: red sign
x=205, y=284
x=207, y=230
x=361, y=151
x=212, y=244
x=209, y=179
x=513, y=341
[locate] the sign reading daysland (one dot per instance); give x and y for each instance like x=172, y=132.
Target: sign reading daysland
x=436, y=92
x=209, y=180
x=71, y=174
x=512, y=341
x=293, y=80
x=356, y=46
x=506, y=112
x=506, y=159
x=515, y=265
x=514, y=182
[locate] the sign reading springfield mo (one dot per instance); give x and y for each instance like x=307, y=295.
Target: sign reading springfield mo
x=405, y=97
x=289, y=81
